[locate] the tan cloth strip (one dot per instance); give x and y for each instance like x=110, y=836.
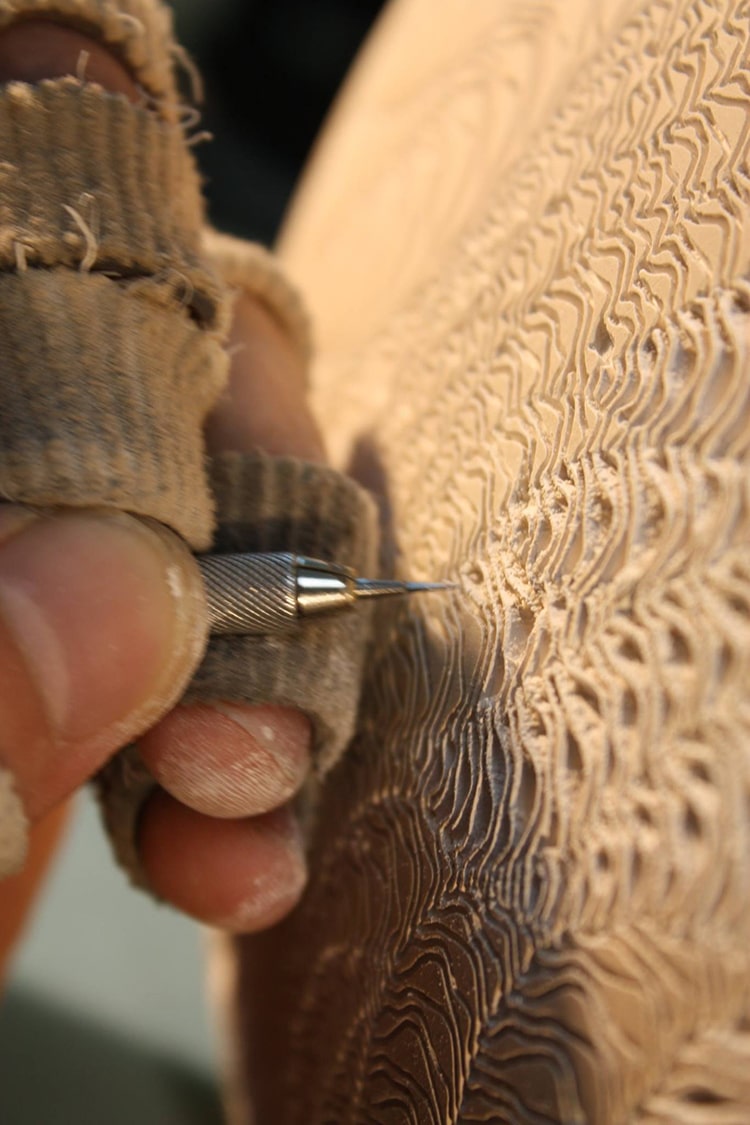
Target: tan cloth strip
x=90, y=181
x=113, y=324
x=104, y=392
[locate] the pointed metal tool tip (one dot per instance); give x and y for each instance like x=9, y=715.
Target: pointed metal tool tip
x=385, y=588
x=417, y=587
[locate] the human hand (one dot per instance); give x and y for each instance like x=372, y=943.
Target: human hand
x=94, y=649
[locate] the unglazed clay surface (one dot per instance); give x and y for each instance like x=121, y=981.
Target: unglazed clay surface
x=526, y=239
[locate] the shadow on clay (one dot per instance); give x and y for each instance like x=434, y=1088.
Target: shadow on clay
x=440, y=619
x=366, y=467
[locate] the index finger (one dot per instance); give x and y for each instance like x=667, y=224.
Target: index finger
x=264, y=405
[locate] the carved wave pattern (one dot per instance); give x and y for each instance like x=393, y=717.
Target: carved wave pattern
x=531, y=874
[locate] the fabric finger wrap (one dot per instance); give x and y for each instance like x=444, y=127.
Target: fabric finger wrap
x=115, y=304
x=271, y=504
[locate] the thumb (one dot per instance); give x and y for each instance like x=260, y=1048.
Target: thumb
x=102, y=622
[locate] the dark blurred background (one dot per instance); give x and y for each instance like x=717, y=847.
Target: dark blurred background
x=271, y=69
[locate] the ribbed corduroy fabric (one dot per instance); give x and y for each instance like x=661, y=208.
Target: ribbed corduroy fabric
x=112, y=322
x=91, y=181
x=121, y=428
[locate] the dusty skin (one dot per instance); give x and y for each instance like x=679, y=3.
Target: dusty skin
x=525, y=240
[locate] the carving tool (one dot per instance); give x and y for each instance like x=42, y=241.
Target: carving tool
x=268, y=594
